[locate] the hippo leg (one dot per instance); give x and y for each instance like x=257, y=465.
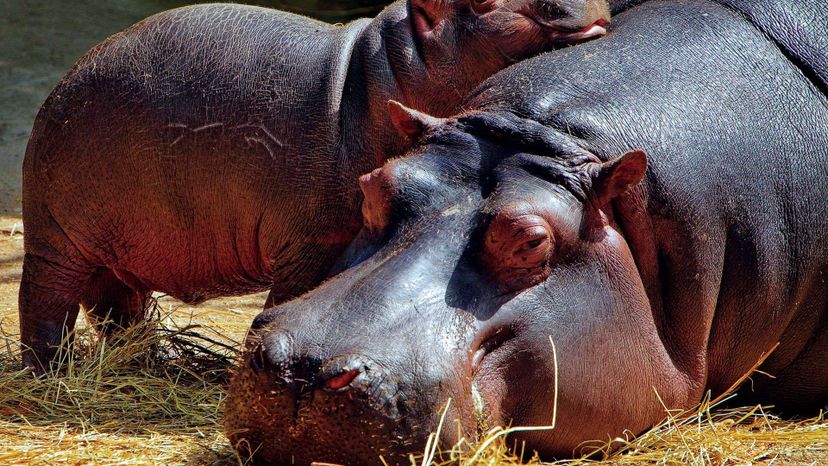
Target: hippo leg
x=111, y=304
x=48, y=303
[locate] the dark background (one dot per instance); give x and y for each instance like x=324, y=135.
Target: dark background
x=41, y=39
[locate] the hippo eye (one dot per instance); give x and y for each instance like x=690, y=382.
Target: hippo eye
x=518, y=250
x=531, y=246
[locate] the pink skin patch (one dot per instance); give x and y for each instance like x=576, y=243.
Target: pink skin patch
x=596, y=29
x=376, y=205
x=342, y=380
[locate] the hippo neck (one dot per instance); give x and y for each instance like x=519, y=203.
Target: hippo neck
x=396, y=47
x=386, y=47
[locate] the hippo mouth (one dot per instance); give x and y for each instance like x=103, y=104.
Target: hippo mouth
x=574, y=36
x=335, y=419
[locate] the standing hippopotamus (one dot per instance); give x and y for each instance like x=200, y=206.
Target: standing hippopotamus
x=214, y=149
x=654, y=203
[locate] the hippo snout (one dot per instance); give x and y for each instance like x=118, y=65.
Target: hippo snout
x=358, y=377
x=289, y=408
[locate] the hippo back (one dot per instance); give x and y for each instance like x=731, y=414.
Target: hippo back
x=800, y=29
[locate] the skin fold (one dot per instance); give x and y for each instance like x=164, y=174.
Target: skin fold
x=213, y=150
x=653, y=202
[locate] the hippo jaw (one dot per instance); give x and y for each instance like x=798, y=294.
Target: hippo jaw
x=342, y=409
x=267, y=421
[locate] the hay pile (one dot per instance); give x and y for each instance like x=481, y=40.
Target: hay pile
x=151, y=397
x=706, y=436
x=154, y=397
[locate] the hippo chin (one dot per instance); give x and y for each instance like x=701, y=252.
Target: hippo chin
x=213, y=149
x=652, y=203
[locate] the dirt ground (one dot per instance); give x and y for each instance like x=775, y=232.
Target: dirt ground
x=11, y=262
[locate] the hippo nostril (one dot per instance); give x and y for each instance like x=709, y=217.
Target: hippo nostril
x=274, y=353
x=262, y=320
x=342, y=380
x=257, y=358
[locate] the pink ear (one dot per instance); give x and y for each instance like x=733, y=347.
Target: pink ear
x=376, y=202
x=410, y=122
x=617, y=176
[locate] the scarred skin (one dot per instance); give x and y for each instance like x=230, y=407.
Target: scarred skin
x=212, y=150
x=652, y=203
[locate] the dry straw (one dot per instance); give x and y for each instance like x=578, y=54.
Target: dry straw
x=705, y=435
x=154, y=397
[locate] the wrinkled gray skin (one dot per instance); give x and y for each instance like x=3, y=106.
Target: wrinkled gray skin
x=658, y=276
x=213, y=149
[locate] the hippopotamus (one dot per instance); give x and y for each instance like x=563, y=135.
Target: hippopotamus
x=214, y=149
x=606, y=232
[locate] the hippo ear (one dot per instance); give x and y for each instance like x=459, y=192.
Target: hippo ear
x=410, y=122
x=617, y=176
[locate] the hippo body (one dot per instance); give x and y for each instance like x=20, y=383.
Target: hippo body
x=659, y=274
x=212, y=150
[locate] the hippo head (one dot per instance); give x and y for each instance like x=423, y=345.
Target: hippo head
x=477, y=253
x=463, y=42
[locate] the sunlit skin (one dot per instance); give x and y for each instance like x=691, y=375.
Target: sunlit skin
x=651, y=203
x=214, y=149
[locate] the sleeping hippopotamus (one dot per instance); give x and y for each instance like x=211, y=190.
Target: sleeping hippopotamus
x=652, y=203
x=213, y=149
